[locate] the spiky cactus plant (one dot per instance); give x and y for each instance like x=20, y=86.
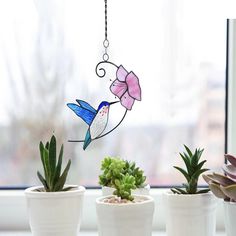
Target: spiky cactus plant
x=224, y=186
x=53, y=180
x=194, y=168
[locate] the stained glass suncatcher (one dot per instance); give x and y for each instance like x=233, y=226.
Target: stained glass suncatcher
x=125, y=87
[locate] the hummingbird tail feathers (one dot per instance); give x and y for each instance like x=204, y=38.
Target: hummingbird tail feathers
x=87, y=140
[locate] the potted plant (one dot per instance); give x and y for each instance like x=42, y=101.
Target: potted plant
x=54, y=208
x=123, y=213
x=224, y=187
x=114, y=168
x=190, y=210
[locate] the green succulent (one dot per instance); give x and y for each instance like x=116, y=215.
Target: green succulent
x=53, y=180
x=130, y=168
x=124, y=186
x=121, y=175
x=114, y=168
x=194, y=168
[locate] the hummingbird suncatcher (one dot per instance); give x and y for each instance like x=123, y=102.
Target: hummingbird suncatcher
x=125, y=87
x=96, y=119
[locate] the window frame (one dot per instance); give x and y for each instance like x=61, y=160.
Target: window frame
x=231, y=86
x=13, y=214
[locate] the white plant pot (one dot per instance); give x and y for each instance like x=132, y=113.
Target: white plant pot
x=230, y=216
x=190, y=214
x=55, y=213
x=106, y=191
x=129, y=219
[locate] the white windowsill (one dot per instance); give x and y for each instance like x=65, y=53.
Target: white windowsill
x=13, y=214
x=92, y=233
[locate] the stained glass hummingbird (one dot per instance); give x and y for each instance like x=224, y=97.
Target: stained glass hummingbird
x=96, y=119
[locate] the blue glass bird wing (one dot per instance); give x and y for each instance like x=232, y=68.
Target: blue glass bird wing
x=83, y=113
x=86, y=105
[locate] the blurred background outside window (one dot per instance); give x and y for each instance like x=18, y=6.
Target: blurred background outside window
x=48, y=53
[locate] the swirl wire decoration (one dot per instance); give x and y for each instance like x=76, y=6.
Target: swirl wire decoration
x=126, y=87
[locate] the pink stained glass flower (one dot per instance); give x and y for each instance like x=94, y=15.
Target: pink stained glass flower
x=126, y=87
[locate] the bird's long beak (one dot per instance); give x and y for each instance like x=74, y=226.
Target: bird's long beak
x=110, y=103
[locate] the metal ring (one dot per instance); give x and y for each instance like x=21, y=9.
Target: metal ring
x=105, y=57
x=106, y=43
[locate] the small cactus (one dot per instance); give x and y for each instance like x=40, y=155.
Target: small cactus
x=224, y=186
x=192, y=173
x=53, y=180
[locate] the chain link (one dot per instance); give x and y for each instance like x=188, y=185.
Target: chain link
x=105, y=19
x=105, y=42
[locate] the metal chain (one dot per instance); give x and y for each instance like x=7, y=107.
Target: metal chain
x=105, y=42
x=105, y=19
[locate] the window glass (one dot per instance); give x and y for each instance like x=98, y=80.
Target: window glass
x=48, y=53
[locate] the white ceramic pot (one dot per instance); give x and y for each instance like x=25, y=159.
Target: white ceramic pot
x=129, y=219
x=106, y=191
x=190, y=214
x=230, y=216
x=55, y=213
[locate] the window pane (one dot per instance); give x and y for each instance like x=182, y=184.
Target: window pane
x=48, y=53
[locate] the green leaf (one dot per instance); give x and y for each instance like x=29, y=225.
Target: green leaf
x=198, y=173
x=47, y=146
x=203, y=191
x=41, y=149
x=117, y=182
x=181, y=191
x=194, y=159
x=52, y=155
x=183, y=172
x=175, y=191
x=187, y=163
x=200, y=153
x=47, y=166
x=67, y=189
x=43, y=181
x=200, y=165
x=194, y=181
x=188, y=150
x=60, y=184
x=58, y=167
